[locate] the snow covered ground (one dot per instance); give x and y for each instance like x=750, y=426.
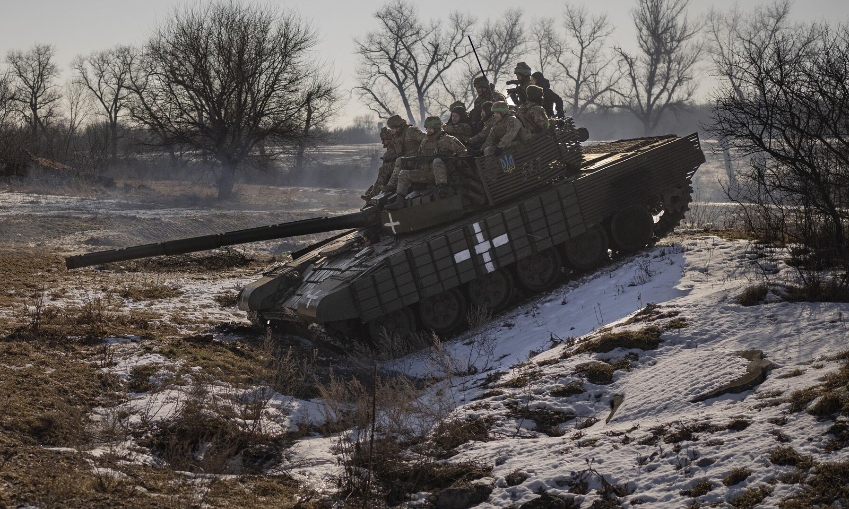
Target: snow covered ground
x=700, y=278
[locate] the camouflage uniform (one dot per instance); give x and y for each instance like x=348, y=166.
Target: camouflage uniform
x=385, y=170
x=532, y=114
x=504, y=133
x=488, y=96
x=405, y=143
x=461, y=130
x=523, y=76
x=436, y=171
x=479, y=138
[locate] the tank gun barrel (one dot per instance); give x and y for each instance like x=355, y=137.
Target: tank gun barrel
x=364, y=218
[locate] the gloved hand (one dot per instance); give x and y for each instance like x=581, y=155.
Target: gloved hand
x=498, y=151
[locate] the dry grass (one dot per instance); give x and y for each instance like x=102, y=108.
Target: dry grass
x=599, y=373
x=570, y=389
x=647, y=338
x=787, y=456
x=753, y=295
x=700, y=488
x=736, y=476
x=751, y=497
x=828, y=483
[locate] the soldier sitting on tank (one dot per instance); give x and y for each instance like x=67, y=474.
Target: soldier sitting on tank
x=532, y=114
x=506, y=131
x=385, y=170
x=523, y=79
x=458, y=125
x=552, y=102
x=431, y=171
x=486, y=115
x=406, y=139
x=485, y=94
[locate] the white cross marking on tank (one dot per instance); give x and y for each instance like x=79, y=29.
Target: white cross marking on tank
x=483, y=247
x=392, y=224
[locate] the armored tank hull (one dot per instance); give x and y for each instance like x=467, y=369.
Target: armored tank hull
x=515, y=220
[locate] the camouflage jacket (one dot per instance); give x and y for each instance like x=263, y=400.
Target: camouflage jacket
x=533, y=117
x=479, y=138
x=520, y=96
x=475, y=114
x=507, y=131
x=407, y=142
x=461, y=131
x=441, y=144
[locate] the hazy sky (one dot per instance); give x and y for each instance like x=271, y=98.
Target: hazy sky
x=81, y=26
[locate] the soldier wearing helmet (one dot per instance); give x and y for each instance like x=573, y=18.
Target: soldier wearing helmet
x=523, y=79
x=406, y=139
x=385, y=170
x=485, y=93
x=435, y=171
x=506, y=130
x=458, y=124
x=532, y=114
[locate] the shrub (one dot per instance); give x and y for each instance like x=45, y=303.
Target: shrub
x=787, y=456
x=753, y=295
x=700, y=488
x=647, y=338
x=599, y=373
x=751, y=497
x=736, y=476
x=570, y=389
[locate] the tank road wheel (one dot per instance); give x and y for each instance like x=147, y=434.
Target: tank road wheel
x=401, y=323
x=444, y=312
x=676, y=203
x=631, y=228
x=587, y=250
x=492, y=291
x=540, y=271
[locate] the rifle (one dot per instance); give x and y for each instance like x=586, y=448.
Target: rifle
x=491, y=85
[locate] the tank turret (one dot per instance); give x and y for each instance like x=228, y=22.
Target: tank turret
x=517, y=220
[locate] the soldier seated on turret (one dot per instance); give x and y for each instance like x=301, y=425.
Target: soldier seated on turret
x=485, y=93
x=486, y=116
x=432, y=171
x=385, y=170
x=458, y=125
x=506, y=131
x=406, y=139
x=532, y=114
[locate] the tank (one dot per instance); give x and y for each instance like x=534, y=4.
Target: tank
x=519, y=219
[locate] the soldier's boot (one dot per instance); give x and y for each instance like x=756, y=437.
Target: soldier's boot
x=395, y=202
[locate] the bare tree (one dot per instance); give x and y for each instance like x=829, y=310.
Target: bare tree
x=106, y=75
x=6, y=97
x=227, y=78
x=580, y=58
x=726, y=32
x=784, y=101
x=661, y=76
x=34, y=86
x=499, y=44
x=403, y=64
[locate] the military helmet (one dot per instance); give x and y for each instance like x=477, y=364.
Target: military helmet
x=500, y=107
x=395, y=121
x=433, y=122
x=534, y=93
x=457, y=107
x=386, y=133
x=480, y=81
x=522, y=68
